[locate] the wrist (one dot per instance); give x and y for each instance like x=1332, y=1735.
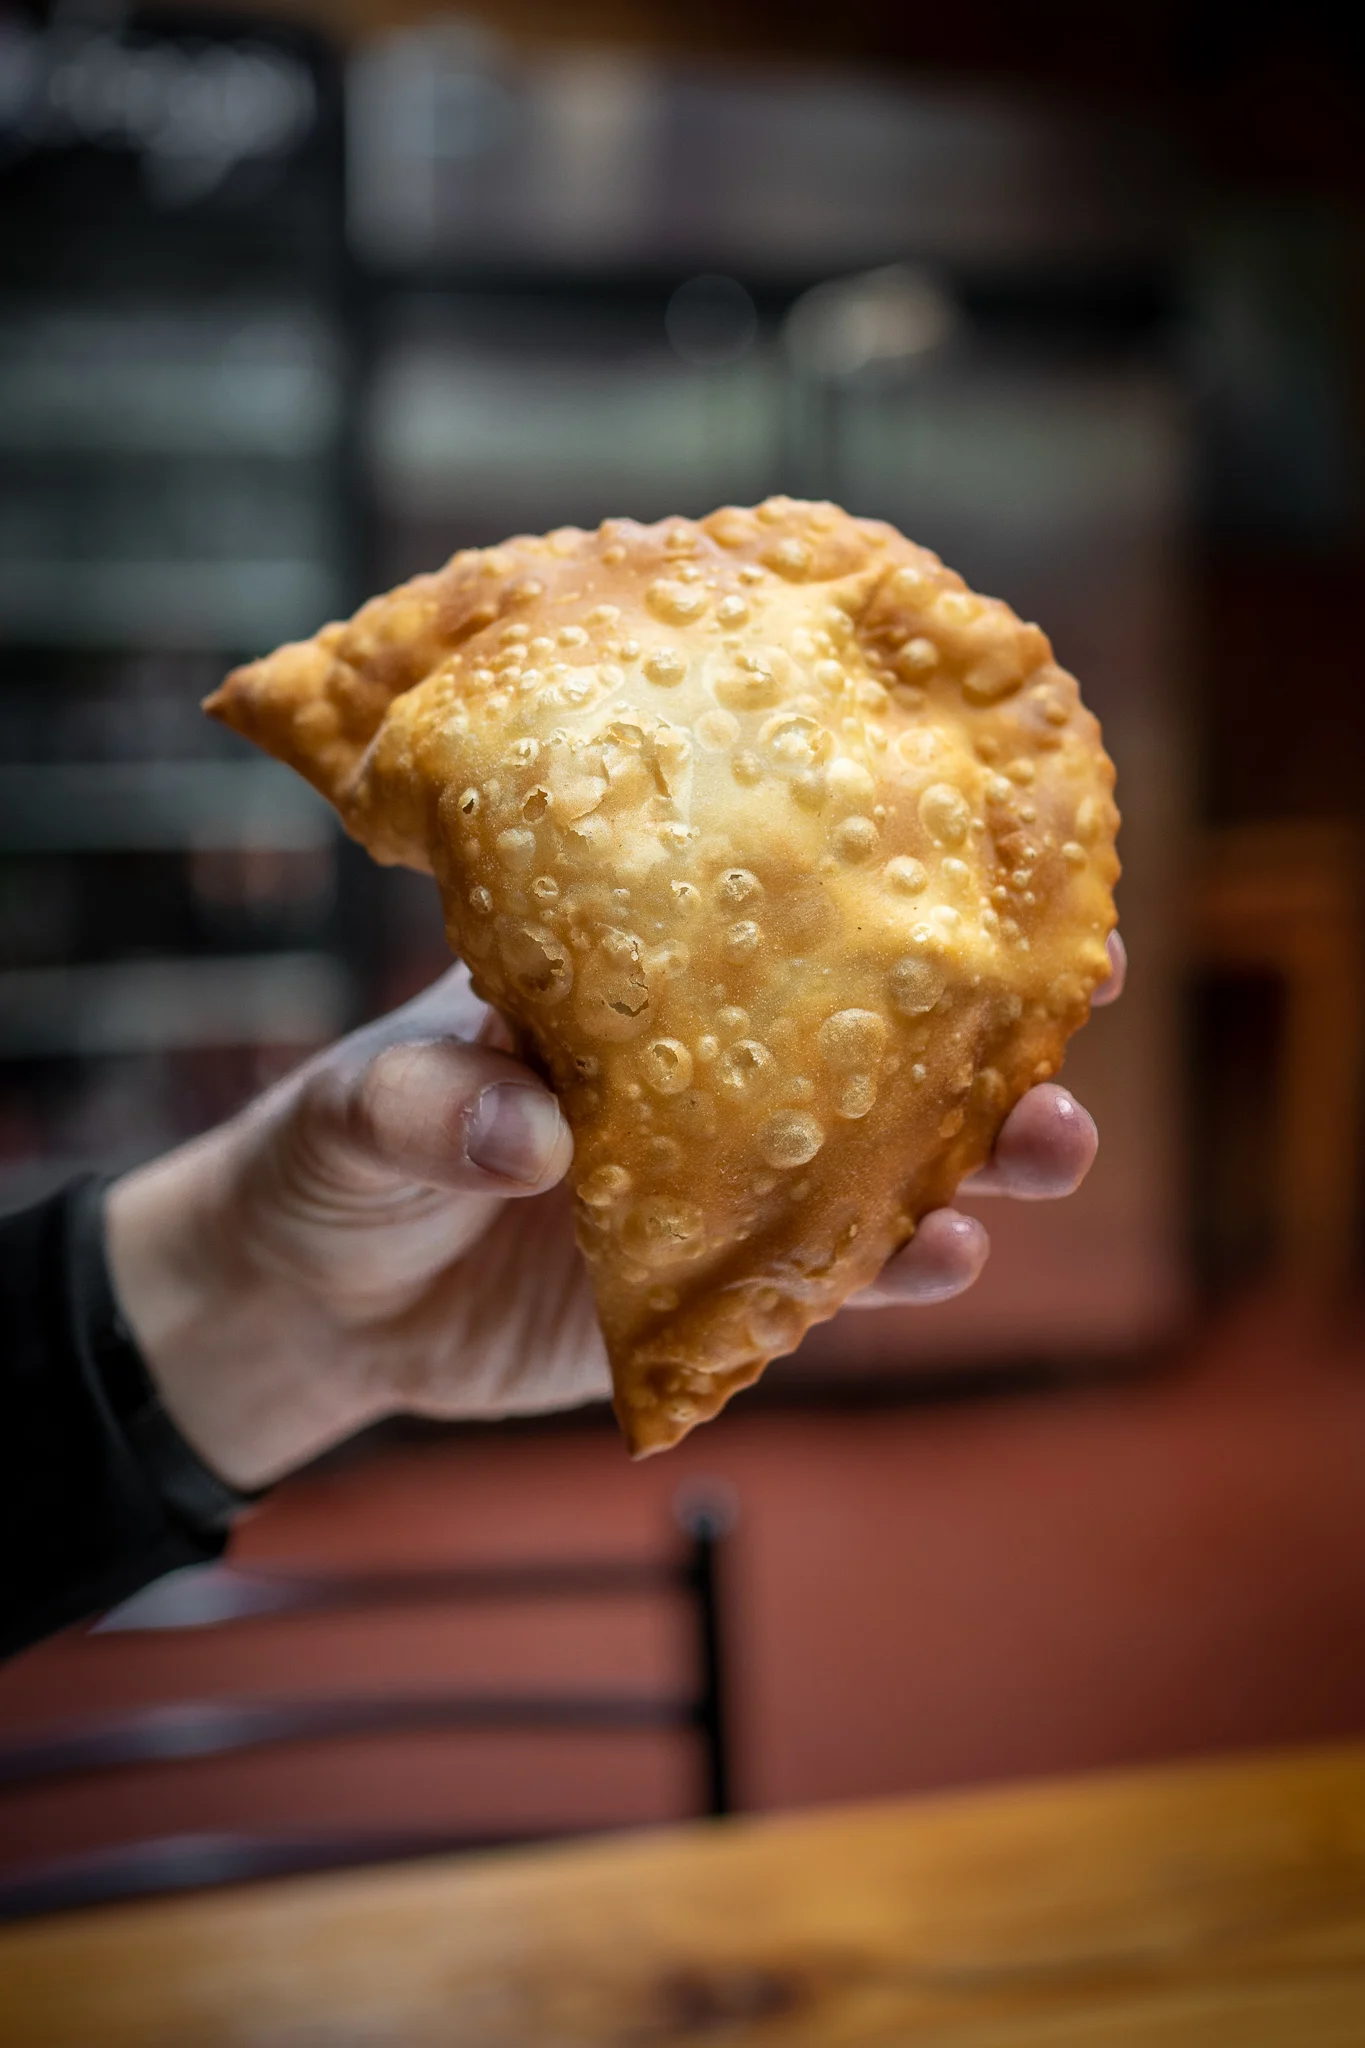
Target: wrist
x=197, y=1497
x=249, y=1367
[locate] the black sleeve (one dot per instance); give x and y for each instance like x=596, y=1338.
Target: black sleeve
x=99, y=1493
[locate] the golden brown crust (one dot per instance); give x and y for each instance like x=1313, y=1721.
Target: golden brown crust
x=792, y=857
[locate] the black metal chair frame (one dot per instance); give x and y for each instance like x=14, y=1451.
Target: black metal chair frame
x=191, y=1729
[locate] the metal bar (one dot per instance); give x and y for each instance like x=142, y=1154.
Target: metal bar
x=207, y=1728
x=212, y=1596
x=707, y=1521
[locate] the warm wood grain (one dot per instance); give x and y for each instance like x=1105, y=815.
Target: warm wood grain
x=1212, y=1906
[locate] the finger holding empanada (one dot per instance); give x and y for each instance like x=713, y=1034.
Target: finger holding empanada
x=789, y=858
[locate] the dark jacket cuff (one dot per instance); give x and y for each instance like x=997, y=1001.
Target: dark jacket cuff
x=99, y=1491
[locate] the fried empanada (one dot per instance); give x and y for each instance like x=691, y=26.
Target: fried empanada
x=789, y=857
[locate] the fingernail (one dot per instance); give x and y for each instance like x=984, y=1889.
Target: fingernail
x=513, y=1132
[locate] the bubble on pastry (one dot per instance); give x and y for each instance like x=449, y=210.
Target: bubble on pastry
x=669, y=961
x=675, y=602
x=612, y=1000
x=604, y=1186
x=758, y=679
x=850, y=784
x=775, y=1320
x=945, y=814
x=791, y=1138
x=743, y=939
x=917, y=985
x=958, y=607
x=997, y=675
x=870, y=695
x=914, y=585
x=791, y=558
x=1067, y=992
x=537, y=963
x=746, y=767
x=744, y=1065
x=990, y=1090
x=856, y=1097
x=855, y=839
x=665, y=666
x=667, y=1066
x=795, y=740
x=737, y=885
x=852, y=1039
x=516, y=847
x=916, y=657
x=659, y=1231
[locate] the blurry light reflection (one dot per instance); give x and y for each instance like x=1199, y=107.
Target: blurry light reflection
x=711, y=320
x=884, y=319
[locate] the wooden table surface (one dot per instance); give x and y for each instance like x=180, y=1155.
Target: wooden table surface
x=1208, y=1906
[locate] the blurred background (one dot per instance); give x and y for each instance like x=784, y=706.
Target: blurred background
x=293, y=304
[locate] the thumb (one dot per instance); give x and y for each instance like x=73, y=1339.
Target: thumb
x=464, y=1117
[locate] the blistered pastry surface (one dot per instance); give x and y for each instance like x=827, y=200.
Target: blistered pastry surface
x=791, y=857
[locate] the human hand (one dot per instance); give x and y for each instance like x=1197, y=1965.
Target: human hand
x=1046, y=1147
x=387, y=1230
